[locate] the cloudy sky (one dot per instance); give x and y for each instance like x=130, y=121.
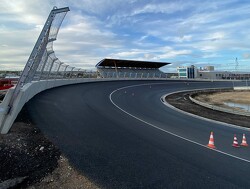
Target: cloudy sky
x=183, y=32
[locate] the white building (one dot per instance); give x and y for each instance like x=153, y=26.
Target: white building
x=187, y=72
x=209, y=72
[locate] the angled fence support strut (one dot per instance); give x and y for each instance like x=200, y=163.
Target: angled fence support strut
x=35, y=68
x=37, y=52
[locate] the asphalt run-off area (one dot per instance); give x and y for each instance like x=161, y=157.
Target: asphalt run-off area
x=121, y=135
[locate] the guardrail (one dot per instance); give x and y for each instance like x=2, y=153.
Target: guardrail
x=218, y=108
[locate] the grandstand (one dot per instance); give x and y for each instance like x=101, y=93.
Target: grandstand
x=116, y=68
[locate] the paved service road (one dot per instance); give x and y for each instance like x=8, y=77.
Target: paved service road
x=120, y=135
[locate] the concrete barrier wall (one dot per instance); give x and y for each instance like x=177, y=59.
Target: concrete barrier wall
x=4, y=105
x=27, y=92
x=33, y=88
x=218, y=108
x=241, y=88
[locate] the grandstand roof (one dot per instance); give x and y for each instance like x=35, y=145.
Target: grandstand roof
x=130, y=63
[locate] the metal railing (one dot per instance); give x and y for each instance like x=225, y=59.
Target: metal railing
x=133, y=75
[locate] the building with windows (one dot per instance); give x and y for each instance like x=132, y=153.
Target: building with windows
x=187, y=72
x=209, y=72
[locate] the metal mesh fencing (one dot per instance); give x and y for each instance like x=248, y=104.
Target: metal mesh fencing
x=43, y=63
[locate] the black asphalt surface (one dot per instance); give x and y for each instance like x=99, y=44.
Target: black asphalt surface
x=116, y=150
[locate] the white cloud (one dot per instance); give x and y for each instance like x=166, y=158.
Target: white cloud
x=168, y=8
x=157, y=54
x=246, y=55
x=131, y=53
x=146, y=30
x=24, y=11
x=174, y=53
x=216, y=36
x=83, y=37
x=210, y=55
x=179, y=39
x=84, y=41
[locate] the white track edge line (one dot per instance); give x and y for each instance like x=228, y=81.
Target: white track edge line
x=173, y=134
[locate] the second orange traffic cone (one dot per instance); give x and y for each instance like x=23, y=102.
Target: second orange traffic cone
x=211, y=141
x=244, y=141
x=235, y=142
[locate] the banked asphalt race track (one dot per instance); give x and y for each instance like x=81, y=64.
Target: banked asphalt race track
x=120, y=135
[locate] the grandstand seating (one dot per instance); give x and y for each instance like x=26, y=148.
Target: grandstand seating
x=130, y=69
x=130, y=73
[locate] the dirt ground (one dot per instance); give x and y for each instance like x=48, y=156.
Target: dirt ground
x=64, y=176
x=30, y=160
x=182, y=101
x=241, y=97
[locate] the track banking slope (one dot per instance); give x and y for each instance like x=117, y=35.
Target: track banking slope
x=120, y=135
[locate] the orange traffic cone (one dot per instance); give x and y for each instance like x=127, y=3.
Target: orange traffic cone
x=211, y=141
x=244, y=141
x=235, y=143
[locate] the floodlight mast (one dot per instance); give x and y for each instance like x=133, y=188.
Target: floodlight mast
x=37, y=53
